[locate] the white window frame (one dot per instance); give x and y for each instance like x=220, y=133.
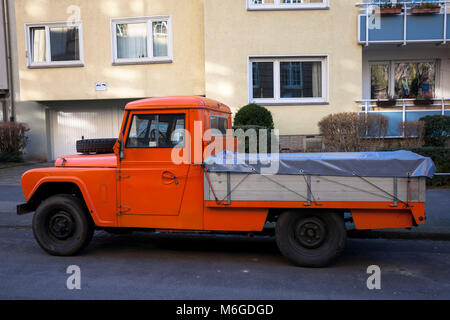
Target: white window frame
x=149, y=59
x=48, y=63
x=278, y=5
x=277, y=100
x=391, y=68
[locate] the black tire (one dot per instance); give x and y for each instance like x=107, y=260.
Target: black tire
x=310, y=239
x=99, y=146
x=61, y=225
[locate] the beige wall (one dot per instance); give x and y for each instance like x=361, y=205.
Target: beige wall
x=185, y=76
x=232, y=34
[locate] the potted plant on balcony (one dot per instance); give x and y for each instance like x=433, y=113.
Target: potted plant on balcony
x=389, y=8
x=423, y=100
x=426, y=8
x=390, y=102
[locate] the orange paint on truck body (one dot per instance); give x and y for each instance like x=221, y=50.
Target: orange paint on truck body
x=145, y=189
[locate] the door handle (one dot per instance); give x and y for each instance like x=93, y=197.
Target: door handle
x=168, y=177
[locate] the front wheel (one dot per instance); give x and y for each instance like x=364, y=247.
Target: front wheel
x=61, y=225
x=310, y=239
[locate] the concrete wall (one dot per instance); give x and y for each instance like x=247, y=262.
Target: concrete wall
x=232, y=34
x=184, y=76
x=33, y=114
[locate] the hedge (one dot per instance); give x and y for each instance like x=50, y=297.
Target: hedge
x=437, y=129
x=13, y=140
x=441, y=158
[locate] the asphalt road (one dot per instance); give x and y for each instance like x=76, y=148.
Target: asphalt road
x=148, y=266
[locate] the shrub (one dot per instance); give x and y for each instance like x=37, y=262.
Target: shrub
x=350, y=131
x=257, y=118
x=254, y=115
x=341, y=132
x=373, y=125
x=437, y=129
x=414, y=134
x=12, y=141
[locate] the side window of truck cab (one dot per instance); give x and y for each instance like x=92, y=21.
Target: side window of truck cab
x=219, y=125
x=156, y=131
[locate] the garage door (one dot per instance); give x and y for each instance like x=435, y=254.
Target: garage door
x=70, y=125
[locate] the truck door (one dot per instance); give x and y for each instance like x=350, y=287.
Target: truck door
x=150, y=183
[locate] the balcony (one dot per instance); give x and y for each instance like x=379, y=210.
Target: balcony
x=404, y=110
x=402, y=23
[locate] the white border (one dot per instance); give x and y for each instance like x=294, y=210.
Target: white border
x=49, y=63
x=324, y=58
x=150, y=59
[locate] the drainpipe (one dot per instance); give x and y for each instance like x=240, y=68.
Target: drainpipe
x=5, y=5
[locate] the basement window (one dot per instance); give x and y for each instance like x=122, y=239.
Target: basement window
x=54, y=45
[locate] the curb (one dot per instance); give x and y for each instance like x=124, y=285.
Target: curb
x=367, y=234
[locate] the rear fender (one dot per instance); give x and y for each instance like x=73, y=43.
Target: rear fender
x=367, y=219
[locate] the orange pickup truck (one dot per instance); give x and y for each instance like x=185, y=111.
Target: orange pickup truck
x=158, y=176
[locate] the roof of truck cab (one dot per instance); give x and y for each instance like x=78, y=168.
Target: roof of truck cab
x=178, y=103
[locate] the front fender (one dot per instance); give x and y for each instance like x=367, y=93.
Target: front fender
x=85, y=179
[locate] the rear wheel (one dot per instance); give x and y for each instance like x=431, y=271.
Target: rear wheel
x=310, y=239
x=61, y=225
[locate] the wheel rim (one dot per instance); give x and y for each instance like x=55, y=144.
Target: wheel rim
x=61, y=225
x=310, y=233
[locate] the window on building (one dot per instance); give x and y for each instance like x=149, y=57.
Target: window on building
x=141, y=40
x=157, y=131
x=288, y=80
x=415, y=80
x=379, y=74
x=54, y=44
x=403, y=79
x=286, y=4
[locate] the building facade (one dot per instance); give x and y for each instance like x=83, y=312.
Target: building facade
x=78, y=62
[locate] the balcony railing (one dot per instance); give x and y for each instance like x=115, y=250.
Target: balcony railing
x=404, y=26
x=404, y=110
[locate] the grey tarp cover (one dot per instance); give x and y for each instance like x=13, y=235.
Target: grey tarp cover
x=364, y=164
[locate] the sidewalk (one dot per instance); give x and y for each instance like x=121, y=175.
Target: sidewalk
x=437, y=226
x=12, y=175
